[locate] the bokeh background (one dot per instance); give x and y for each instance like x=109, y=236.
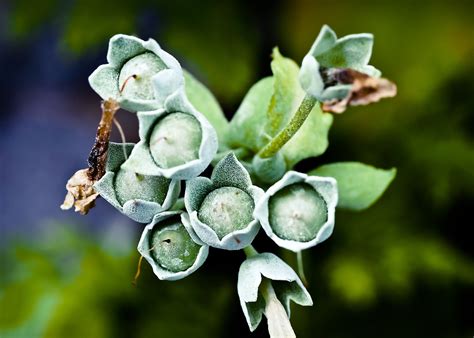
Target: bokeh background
x=403, y=268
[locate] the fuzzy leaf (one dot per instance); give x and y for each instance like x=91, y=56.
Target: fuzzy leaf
x=359, y=185
x=123, y=47
x=247, y=127
x=285, y=98
x=205, y=102
x=196, y=190
x=116, y=155
x=230, y=172
x=326, y=39
x=104, y=80
x=351, y=51
x=311, y=140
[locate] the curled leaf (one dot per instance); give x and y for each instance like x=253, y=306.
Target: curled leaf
x=80, y=192
x=365, y=89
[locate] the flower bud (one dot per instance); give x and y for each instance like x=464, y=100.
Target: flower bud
x=226, y=209
x=298, y=211
x=175, y=140
x=140, y=197
x=128, y=76
x=130, y=186
x=170, y=246
x=221, y=208
x=327, y=53
x=136, y=74
x=266, y=285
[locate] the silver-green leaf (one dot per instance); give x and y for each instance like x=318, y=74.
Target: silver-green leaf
x=359, y=185
x=247, y=127
x=205, y=102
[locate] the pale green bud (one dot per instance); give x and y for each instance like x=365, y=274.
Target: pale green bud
x=175, y=140
x=226, y=209
x=297, y=212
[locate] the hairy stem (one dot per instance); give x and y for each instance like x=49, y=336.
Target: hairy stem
x=290, y=129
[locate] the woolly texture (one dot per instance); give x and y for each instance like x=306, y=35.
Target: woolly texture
x=148, y=251
x=229, y=172
x=351, y=51
x=326, y=187
x=128, y=76
x=131, y=199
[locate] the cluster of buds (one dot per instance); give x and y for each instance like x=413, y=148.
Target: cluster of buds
x=182, y=132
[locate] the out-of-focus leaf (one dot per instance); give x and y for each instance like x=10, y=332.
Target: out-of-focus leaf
x=24, y=20
x=359, y=185
x=247, y=127
x=286, y=94
x=204, y=101
x=359, y=275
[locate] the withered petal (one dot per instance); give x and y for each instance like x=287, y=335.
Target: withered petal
x=365, y=90
x=80, y=192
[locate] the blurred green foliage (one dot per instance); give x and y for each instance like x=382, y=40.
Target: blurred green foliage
x=404, y=267
x=194, y=31
x=71, y=285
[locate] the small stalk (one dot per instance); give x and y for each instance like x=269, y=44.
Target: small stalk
x=250, y=251
x=299, y=259
x=122, y=136
x=290, y=129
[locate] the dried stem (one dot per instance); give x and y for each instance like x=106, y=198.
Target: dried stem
x=98, y=155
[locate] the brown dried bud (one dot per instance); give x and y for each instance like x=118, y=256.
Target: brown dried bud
x=365, y=89
x=80, y=192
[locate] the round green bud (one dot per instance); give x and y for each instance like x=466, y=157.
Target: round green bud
x=129, y=186
x=175, y=140
x=172, y=247
x=136, y=74
x=226, y=209
x=297, y=212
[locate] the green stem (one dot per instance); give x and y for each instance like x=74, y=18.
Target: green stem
x=290, y=129
x=299, y=259
x=250, y=251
